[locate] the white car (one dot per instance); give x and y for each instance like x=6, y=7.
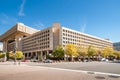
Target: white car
x=104, y=59
x=47, y=61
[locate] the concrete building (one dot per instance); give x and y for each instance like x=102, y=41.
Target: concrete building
x=116, y=46
x=1, y=47
x=42, y=42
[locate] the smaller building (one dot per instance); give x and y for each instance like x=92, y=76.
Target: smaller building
x=1, y=47
x=116, y=46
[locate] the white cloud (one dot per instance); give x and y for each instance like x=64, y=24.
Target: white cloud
x=83, y=24
x=6, y=20
x=39, y=25
x=3, y=18
x=83, y=27
x=21, y=13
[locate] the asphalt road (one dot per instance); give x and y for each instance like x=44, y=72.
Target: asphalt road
x=105, y=67
x=25, y=72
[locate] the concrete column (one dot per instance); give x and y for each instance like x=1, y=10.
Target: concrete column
x=18, y=43
x=41, y=56
x=27, y=55
x=5, y=46
x=5, y=49
x=38, y=55
x=35, y=54
x=47, y=52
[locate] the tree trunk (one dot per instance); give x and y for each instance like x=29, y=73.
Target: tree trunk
x=72, y=58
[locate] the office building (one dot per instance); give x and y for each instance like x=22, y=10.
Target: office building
x=42, y=42
x=116, y=46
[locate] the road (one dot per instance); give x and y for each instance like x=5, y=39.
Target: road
x=16, y=72
x=105, y=67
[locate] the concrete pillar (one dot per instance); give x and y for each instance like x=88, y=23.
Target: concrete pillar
x=18, y=43
x=38, y=55
x=27, y=55
x=47, y=52
x=41, y=56
x=5, y=49
x=5, y=46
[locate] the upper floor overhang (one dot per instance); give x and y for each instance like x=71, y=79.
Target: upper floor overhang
x=19, y=28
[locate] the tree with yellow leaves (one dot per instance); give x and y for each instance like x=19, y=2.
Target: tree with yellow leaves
x=71, y=50
x=91, y=51
x=107, y=51
x=82, y=51
x=117, y=54
x=19, y=55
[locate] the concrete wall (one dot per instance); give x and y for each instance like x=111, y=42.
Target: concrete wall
x=56, y=28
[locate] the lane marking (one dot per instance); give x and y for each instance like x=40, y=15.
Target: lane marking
x=82, y=71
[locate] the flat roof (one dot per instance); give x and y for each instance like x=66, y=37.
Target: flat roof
x=86, y=34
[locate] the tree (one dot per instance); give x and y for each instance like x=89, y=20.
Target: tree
x=2, y=55
x=107, y=51
x=91, y=51
x=117, y=54
x=71, y=50
x=98, y=54
x=19, y=55
x=58, y=53
x=11, y=55
x=82, y=51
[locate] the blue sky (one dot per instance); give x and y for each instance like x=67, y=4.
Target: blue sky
x=100, y=18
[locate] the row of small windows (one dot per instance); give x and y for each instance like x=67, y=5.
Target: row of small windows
x=40, y=33
x=43, y=40
x=43, y=32
x=38, y=44
x=36, y=37
x=37, y=48
x=37, y=41
x=85, y=41
x=41, y=36
x=70, y=32
x=116, y=44
x=78, y=35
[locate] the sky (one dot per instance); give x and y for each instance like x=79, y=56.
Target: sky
x=99, y=18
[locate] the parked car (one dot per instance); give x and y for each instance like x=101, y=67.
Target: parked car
x=104, y=59
x=26, y=60
x=34, y=60
x=47, y=61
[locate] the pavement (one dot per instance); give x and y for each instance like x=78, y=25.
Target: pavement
x=30, y=71
x=105, y=67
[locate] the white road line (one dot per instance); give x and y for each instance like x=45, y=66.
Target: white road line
x=100, y=73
